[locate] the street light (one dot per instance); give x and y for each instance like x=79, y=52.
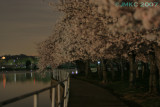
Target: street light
x=99, y=62
x=3, y=57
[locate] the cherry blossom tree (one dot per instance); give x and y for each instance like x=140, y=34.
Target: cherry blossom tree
x=93, y=30
x=142, y=20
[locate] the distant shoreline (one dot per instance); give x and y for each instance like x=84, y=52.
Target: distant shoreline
x=18, y=71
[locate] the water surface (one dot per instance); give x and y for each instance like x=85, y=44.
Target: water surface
x=19, y=83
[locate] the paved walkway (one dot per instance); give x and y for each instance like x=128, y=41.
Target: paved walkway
x=83, y=94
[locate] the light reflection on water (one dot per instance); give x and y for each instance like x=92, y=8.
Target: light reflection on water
x=16, y=84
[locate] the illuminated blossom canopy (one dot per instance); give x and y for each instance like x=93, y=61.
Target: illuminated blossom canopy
x=135, y=19
x=97, y=29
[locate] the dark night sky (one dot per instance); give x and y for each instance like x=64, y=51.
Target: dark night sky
x=23, y=24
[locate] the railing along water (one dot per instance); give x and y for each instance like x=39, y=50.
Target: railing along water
x=63, y=77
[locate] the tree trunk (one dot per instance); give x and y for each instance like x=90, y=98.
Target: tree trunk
x=87, y=68
x=152, y=77
x=122, y=69
x=80, y=66
x=99, y=71
x=137, y=72
x=118, y=77
x=132, y=70
x=157, y=57
x=103, y=65
x=127, y=70
x=112, y=72
x=143, y=70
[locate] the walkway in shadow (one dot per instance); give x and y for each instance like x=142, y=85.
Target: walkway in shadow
x=83, y=94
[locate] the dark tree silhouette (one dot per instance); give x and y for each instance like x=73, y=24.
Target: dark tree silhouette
x=28, y=64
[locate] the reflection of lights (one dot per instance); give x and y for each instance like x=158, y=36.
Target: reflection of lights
x=3, y=67
x=4, y=81
x=3, y=57
x=72, y=72
x=34, y=81
x=99, y=62
x=76, y=72
x=15, y=77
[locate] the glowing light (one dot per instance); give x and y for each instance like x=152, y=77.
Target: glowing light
x=3, y=57
x=99, y=62
x=72, y=72
x=3, y=67
x=76, y=72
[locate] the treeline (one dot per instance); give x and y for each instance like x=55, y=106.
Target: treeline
x=18, y=62
x=137, y=73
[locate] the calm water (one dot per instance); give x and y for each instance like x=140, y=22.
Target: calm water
x=15, y=84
